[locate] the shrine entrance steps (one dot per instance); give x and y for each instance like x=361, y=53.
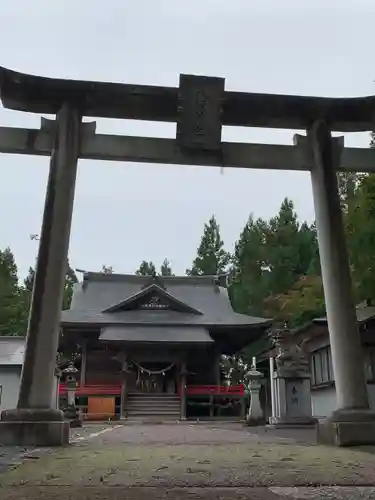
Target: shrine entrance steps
x=152, y=406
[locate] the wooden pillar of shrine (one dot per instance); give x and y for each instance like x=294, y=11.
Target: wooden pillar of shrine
x=124, y=371
x=183, y=379
x=83, y=363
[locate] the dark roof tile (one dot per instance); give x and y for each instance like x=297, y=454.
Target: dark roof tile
x=99, y=292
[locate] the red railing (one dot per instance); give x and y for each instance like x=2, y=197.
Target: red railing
x=202, y=390
x=93, y=390
x=191, y=390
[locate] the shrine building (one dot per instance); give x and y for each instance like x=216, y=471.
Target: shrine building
x=151, y=346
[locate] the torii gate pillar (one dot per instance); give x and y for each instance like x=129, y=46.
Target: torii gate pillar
x=353, y=423
x=35, y=422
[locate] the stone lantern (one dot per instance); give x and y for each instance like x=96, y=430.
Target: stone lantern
x=71, y=412
x=255, y=413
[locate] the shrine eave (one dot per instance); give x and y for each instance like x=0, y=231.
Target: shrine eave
x=42, y=95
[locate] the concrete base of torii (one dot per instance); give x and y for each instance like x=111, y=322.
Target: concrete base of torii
x=34, y=428
x=348, y=428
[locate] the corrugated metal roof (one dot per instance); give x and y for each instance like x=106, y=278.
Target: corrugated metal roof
x=154, y=334
x=12, y=350
x=364, y=313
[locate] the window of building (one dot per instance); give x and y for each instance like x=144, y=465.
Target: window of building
x=321, y=366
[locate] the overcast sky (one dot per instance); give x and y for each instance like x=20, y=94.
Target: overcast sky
x=128, y=212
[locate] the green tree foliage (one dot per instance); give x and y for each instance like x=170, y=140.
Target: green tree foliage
x=360, y=228
x=70, y=280
x=165, y=268
x=348, y=183
x=249, y=268
x=12, y=314
x=270, y=257
x=299, y=305
x=146, y=269
x=291, y=249
x=28, y=284
x=212, y=258
x=107, y=269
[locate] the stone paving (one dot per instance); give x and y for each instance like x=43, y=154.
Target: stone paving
x=182, y=461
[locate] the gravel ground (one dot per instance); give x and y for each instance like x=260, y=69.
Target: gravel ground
x=191, y=461
x=13, y=456
x=207, y=493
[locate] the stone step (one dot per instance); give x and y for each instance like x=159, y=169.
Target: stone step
x=153, y=420
x=131, y=398
x=153, y=396
x=153, y=404
x=153, y=413
x=153, y=401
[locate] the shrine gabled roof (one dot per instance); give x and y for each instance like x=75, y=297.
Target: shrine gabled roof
x=206, y=303
x=154, y=288
x=42, y=95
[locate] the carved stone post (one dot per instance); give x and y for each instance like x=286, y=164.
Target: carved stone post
x=353, y=422
x=34, y=422
x=255, y=413
x=292, y=381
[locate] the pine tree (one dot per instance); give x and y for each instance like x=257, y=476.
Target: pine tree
x=70, y=280
x=212, y=258
x=107, y=269
x=165, y=268
x=146, y=269
x=12, y=312
x=292, y=249
x=29, y=280
x=247, y=288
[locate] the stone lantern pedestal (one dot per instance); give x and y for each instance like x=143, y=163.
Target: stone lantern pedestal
x=255, y=414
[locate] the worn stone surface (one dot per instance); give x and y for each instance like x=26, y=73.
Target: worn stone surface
x=216, y=461
x=34, y=433
x=347, y=429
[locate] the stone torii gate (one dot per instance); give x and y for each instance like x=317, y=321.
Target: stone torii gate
x=200, y=107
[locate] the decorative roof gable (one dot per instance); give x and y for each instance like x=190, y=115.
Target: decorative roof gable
x=152, y=298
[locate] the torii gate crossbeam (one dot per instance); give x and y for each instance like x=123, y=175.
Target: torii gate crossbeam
x=200, y=107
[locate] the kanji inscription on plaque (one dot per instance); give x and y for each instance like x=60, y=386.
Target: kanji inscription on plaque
x=200, y=104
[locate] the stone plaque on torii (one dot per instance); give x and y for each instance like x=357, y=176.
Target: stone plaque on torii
x=200, y=107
